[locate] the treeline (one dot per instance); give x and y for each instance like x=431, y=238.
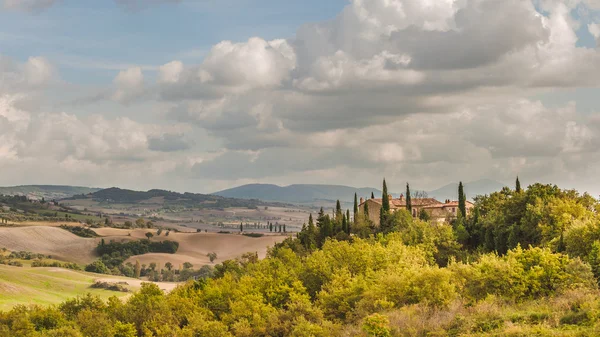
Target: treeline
x=80, y=231
x=113, y=255
x=137, y=247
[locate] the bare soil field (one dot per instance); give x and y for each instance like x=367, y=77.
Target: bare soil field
x=58, y=243
x=193, y=247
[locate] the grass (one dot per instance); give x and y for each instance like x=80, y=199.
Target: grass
x=44, y=286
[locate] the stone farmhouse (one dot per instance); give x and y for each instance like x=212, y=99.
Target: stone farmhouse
x=438, y=211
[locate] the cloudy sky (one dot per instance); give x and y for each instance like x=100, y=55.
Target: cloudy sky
x=201, y=95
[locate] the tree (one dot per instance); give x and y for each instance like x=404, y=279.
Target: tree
x=348, y=222
x=270, y=227
x=518, y=185
x=355, y=207
x=97, y=267
x=424, y=215
x=149, y=235
x=187, y=265
x=140, y=223
x=366, y=210
x=241, y=227
x=408, y=200
x=372, y=195
x=344, y=223
x=338, y=210
x=385, y=199
x=462, y=200
x=137, y=269
x=169, y=266
x=212, y=256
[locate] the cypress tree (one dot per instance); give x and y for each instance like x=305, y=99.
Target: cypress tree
x=366, y=210
x=385, y=199
x=372, y=195
x=348, y=222
x=355, y=207
x=518, y=185
x=408, y=200
x=462, y=200
x=344, y=223
x=338, y=211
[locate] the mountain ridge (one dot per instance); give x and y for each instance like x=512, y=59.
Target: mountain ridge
x=307, y=193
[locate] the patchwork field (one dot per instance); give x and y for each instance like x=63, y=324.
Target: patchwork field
x=193, y=247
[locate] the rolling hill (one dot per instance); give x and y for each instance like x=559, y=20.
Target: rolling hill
x=124, y=196
x=48, y=192
x=300, y=194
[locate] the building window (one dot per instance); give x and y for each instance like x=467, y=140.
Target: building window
x=453, y=210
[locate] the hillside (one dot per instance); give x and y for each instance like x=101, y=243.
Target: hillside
x=296, y=193
x=312, y=193
x=26, y=285
x=53, y=241
x=123, y=196
x=48, y=192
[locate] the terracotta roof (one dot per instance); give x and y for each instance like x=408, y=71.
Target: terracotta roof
x=455, y=204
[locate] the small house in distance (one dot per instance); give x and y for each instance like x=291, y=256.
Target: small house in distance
x=438, y=211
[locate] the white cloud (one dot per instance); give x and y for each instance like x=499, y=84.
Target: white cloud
x=129, y=85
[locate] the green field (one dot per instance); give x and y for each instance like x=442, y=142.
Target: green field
x=25, y=285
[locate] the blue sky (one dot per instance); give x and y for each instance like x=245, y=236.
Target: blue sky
x=87, y=38
x=112, y=93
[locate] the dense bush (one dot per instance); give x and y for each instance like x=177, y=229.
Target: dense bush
x=139, y=247
x=80, y=231
x=67, y=265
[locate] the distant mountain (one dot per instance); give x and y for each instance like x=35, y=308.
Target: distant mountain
x=123, y=196
x=297, y=193
x=472, y=189
x=48, y=192
x=311, y=194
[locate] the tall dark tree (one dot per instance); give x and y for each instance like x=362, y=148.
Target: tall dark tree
x=348, y=222
x=338, y=211
x=372, y=195
x=518, y=185
x=366, y=210
x=344, y=223
x=355, y=207
x=385, y=199
x=408, y=200
x=462, y=200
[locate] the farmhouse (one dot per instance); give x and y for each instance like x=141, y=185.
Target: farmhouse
x=438, y=211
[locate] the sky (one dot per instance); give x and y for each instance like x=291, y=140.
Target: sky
x=203, y=95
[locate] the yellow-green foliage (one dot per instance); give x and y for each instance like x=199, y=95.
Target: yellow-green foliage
x=325, y=293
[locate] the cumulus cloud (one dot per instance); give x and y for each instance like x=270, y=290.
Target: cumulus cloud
x=428, y=91
x=35, y=73
x=129, y=85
